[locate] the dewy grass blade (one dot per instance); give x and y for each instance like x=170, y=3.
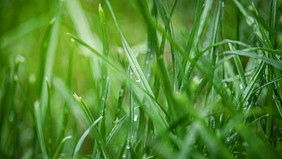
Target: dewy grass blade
x=254, y=55
x=140, y=76
x=82, y=138
x=52, y=45
x=117, y=125
x=105, y=97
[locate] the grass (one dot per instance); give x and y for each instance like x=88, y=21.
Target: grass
x=87, y=85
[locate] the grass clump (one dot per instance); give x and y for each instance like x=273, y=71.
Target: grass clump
x=189, y=80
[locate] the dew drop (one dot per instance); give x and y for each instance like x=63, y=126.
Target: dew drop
x=127, y=147
x=138, y=80
x=241, y=86
x=147, y=62
x=135, y=118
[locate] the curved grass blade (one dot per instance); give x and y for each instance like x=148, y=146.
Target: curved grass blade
x=117, y=125
x=60, y=146
x=82, y=138
x=254, y=55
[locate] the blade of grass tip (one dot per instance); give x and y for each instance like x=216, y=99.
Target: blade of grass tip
x=62, y=142
x=84, y=108
x=116, y=127
x=239, y=67
x=83, y=116
x=73, y=105
x=82, y=138
x=84, y=32
x=49, y=120
x=105, y=82
x=43, y=53
x=38, y=123
x=50, y=54
x=105, y=53
x=158, y=116
x=97, y=130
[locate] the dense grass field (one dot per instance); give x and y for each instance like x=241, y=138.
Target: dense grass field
x=141, y=79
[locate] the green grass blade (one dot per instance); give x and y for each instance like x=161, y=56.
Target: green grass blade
x=117, y=125
x=38, y=122
x=50, y=54
x=105, y=97
x=84, y=108
x=239, y=67
x=82, y=138
x=256, y=56
x=62, y=142
x=139, y=74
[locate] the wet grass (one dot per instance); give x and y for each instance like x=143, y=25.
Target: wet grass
x=182, y=93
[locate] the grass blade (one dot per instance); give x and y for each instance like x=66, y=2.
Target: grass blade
x=82, y=138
